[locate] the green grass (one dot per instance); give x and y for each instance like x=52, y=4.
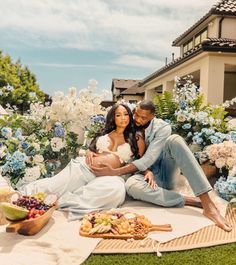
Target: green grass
x=218, y=255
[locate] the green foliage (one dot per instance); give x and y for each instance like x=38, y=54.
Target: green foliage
x=13, y=121
x=18, y=86
x=165, y=105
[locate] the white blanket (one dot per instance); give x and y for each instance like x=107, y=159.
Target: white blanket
x=59, y=243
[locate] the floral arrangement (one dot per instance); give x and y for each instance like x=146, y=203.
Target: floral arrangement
x=197, y=124
x=39, y=144
x=223, y=155
x=27, y=158
x=226, y=187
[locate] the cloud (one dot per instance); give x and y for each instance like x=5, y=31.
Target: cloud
x=138, y=61
x=134, y=26
x=65, y=65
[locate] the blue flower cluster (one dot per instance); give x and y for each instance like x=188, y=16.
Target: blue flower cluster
x=18, y=134
x=209, y=136
x=59, y=130
x=5, y=131
x=15, y=163
x=99, y=118
x=226, y=188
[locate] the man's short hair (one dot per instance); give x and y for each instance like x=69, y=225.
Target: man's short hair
x=147, y=105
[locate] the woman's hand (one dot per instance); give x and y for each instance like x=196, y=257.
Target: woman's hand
x=149, y=177
x=89, y=157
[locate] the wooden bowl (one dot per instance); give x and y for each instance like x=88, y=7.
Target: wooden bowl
x=30, y=227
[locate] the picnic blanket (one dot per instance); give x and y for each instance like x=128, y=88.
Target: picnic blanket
x=59, y=241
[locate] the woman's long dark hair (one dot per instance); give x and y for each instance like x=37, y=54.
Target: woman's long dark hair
x=129, y=132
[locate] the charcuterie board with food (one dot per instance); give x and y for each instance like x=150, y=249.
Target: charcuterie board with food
x=118, y=224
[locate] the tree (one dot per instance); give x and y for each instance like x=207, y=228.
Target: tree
x=18, y=85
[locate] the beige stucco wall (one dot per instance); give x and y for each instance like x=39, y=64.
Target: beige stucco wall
x=229, y=28
x=213, y=28
x=132, y=97
x=212, y=68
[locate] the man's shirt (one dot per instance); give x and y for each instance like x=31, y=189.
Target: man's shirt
x=155, y=137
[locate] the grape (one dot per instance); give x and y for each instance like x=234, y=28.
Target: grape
x=30, y=202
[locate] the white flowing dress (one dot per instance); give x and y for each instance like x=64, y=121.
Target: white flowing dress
x=79, y=190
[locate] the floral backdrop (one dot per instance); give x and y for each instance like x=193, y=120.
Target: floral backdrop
x=41, y=143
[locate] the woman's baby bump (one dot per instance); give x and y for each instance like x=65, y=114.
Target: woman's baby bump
x=106, y=158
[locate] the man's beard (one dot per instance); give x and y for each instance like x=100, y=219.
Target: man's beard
x=141, y=127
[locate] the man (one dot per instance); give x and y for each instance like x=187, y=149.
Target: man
x=165, y=153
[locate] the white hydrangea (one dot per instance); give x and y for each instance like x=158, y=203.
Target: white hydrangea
x=57, y=144
x=38, y=159
x=32, y=173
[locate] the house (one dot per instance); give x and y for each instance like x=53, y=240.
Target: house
x=126, y=89
x=207, y=52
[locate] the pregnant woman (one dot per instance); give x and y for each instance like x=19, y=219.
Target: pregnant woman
x=78, y=189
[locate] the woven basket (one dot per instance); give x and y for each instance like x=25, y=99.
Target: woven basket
x=209, y=170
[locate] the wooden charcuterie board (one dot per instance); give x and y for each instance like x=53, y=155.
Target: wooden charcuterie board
x=118, y=225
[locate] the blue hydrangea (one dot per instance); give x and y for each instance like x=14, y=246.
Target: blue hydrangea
x=98, y=119
x=207, y=131
x=214, y=139
x=18, y=134
x=186, y=126
x=14, y=163
x=189, y=134
x=59, y=131
x=233, y=136
x=197, y=139
x=183, y=104
x=226, y=188
x=24, y=145
x=5, y=131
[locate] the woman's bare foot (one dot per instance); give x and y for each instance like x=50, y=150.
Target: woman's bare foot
x=193, y=201
x=211, y=212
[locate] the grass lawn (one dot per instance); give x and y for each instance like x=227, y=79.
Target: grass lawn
x=224, y=254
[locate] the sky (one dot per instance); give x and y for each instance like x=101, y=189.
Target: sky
x=66, y=43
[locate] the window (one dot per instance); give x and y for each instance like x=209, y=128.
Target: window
x=195, y=41
x=200, y=37
x=188, y=46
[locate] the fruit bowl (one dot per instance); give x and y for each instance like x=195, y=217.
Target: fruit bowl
x=30, y=227
x=29, y=214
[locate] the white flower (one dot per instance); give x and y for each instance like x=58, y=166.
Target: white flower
x=38, y=159
x=72, y=92
x=181, y=117
x=36, y=146
x=32, y=173
x=2, y=151
x=57, y=144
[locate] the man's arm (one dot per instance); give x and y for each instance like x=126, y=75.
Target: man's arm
x=149, y=158
x=154, y=149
